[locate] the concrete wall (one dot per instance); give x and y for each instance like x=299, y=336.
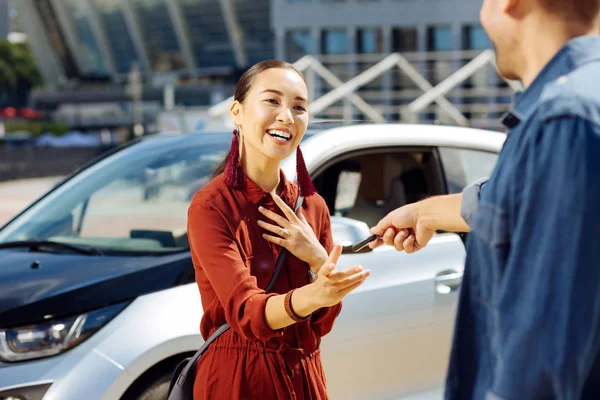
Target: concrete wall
x=341, y=13
x=4, y=22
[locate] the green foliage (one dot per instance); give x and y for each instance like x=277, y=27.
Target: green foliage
x=36, y=128
x=17, y=66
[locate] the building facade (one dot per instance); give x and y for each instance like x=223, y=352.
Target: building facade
x=103, y=39
x=375, y=26
x=86, y=49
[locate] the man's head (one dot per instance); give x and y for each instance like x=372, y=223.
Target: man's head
x=514, y=26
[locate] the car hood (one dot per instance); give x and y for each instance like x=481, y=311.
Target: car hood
x=34, y=286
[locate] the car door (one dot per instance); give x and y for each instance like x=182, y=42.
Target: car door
x=392, y=338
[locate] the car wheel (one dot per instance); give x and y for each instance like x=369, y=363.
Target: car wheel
x=159, y=390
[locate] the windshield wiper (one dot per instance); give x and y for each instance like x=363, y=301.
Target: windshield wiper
x=36, y=245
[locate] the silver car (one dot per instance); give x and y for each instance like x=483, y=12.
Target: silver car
x=97, y=292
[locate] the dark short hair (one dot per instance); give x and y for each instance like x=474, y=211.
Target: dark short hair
x=583, y=10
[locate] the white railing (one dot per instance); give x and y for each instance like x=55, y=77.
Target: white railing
x=458, y=88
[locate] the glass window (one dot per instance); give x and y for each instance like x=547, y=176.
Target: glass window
x=440, y=38
x=134, y=201
x=347, y=190
x=56, y=38
x=464, y=166
x=208, y=33
x=475, y=38
x=335, y=41
x=367, y=187
x=92, y=58
x=404, y=39
x=110, y=15
x=159, y=36
x=369, y=41
x=298, y=44
x=254, y=19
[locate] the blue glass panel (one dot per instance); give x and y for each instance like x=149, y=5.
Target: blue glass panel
x=368, y=41
x=159, y=36
x=298, y=44
x=335, y=41
x=478, y=38
x=208, y=33
x=441, y=39
x=254, y=19
x=92, y=58
x=119, y=40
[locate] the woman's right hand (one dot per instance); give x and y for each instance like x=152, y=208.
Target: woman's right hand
x=331, y=285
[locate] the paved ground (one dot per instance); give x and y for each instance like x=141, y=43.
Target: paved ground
x=16, y=195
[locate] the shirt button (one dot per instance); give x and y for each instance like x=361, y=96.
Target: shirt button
x=562, y=80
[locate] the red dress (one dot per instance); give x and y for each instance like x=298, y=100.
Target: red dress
x=233, y=265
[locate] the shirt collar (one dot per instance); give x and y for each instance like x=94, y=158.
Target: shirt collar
x=255, y=194
x=574, y=54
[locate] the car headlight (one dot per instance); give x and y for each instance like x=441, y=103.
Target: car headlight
x=53, y=337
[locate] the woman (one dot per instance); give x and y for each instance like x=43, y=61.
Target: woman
x=237, y=226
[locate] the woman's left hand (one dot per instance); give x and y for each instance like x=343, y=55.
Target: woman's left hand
x=294, y=234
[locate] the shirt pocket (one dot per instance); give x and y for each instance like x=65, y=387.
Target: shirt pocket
x=488, y=249
x=490, y=223
x=262, y=266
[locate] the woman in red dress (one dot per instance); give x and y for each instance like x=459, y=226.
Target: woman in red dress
x=237, y=225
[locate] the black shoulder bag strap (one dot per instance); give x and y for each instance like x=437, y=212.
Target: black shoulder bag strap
x=182, y=382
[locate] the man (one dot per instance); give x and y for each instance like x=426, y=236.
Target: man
x=528, y=323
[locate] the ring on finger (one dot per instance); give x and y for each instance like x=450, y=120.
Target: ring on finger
x=284, y=232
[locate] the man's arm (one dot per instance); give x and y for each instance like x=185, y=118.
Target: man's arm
x=442, y=213
x=470, y=200
x=411, y=227
x=547, y=308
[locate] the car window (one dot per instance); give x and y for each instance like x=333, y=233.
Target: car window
x=347, y=190
x=365, y=187
x=465, y=166
x=135, y=201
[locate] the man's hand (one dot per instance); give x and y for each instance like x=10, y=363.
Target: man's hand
x=403, y=229
x=412, y=226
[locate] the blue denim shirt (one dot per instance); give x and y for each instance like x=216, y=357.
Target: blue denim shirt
x=528, y=323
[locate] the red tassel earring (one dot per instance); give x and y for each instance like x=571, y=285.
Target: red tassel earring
x=234, y=176
x=305, y=184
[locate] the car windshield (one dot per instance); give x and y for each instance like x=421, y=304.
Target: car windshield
x=134, y=201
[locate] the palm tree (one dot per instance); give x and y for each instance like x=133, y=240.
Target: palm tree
x=8, y=73
x=18, y=73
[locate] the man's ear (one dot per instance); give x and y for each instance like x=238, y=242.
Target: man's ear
x=235, y=113
x=516, y=7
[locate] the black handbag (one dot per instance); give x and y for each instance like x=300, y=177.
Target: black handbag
x=182, y=382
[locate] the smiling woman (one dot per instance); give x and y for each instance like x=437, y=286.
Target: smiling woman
x=259, y=116
x=238, y=226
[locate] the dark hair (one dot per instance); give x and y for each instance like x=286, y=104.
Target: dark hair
x=583, y=10
x=243, y=87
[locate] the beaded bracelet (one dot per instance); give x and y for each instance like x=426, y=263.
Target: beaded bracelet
x=288, y=307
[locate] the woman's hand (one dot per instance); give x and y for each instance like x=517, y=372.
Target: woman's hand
x=294, y=234
x=328, y=290
x=332, y=285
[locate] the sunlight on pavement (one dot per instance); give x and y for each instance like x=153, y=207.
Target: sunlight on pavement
x=18, y=194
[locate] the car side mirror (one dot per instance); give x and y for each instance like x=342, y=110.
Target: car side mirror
x=347, y=232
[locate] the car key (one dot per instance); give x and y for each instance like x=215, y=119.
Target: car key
x=364, y=243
